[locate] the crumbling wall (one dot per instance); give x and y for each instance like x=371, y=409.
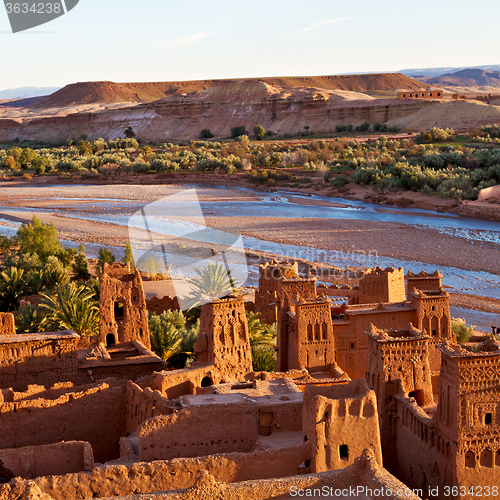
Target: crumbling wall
x=42, y=359
x=7, y=325
x=431, y=461
x=159, y=305
x=96, y=415
x=223, y=340
x=144, y=477
x=143, y=404
x=48, y=460
x=340, y=422
x=198, y=431
x=122, y=306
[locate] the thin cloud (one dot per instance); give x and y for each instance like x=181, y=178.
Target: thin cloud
x=322, y=23
x=181, y=41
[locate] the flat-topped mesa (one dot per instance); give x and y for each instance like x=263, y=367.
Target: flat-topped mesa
x=122, y=306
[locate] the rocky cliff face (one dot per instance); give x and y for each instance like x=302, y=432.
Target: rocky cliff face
x=179, y=117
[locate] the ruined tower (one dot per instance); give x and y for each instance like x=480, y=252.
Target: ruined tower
x=423, y=281
x=433, y=315
x=310, y=335
x=290, y=289
x=266, y=297
x=223, y=339
x=398, y=364
x=382, y=285
x=122, y=306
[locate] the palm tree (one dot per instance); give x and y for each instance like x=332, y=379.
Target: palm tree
x=262, y=343
x=214, y=281
x=165, y=333
x=71, y=307
x=12, y=287
x=29, y=319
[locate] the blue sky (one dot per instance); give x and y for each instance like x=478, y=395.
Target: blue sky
x=160, y=40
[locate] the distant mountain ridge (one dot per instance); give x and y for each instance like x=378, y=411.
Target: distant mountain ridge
x=435, y=72
x=27, y=92
x=470, y=77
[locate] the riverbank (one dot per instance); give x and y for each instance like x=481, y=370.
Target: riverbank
x=404, y=199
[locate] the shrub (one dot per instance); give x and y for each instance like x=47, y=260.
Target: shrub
x=38, y=238
x=340, y=181
x=206, y=134
x=259, y=132
x=460, y=329
x=237, y=131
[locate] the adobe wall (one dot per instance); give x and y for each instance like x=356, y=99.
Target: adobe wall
x=266, y=303
x=382, y=285
x=118, y=284
x=198, y=431
x=311, y=343
x=158, y=305
x=468, y=412
x=144, y=477
x=433, y=316
x=421, y=94
x=340, y=422
x=424, y=459
x=48, y=460
x=423, y=281
x=223, y=340
x=95, y=414
x=351, y=342
x=490, y=192
x=289, y=289
x=42, y=359
x=398, y=365
x=143, y=404
x=266, y=297
x=364, y=474
x=7, y=325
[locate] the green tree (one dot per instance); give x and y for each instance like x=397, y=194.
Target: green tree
x=129, y=255
x=213, y=281
x=105, y=256
x=460, y=329
x=12, y=288
x=206, y=134
x=29, y=319
x=71, y=307
x=237, y=131
x=129, y=132
x=259, y=132
x=38, y=238
x=85, y=148
x=81, y=267
x=262, y=343
x=165, y=333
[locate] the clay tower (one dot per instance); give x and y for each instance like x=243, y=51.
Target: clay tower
x=123, y=315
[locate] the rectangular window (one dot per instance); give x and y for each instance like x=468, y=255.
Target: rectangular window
x=488, y=418
x=343, y=452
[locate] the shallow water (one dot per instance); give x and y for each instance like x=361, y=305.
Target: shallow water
x=278, y=205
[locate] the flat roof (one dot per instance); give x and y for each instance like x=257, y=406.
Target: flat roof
x=38, y=337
